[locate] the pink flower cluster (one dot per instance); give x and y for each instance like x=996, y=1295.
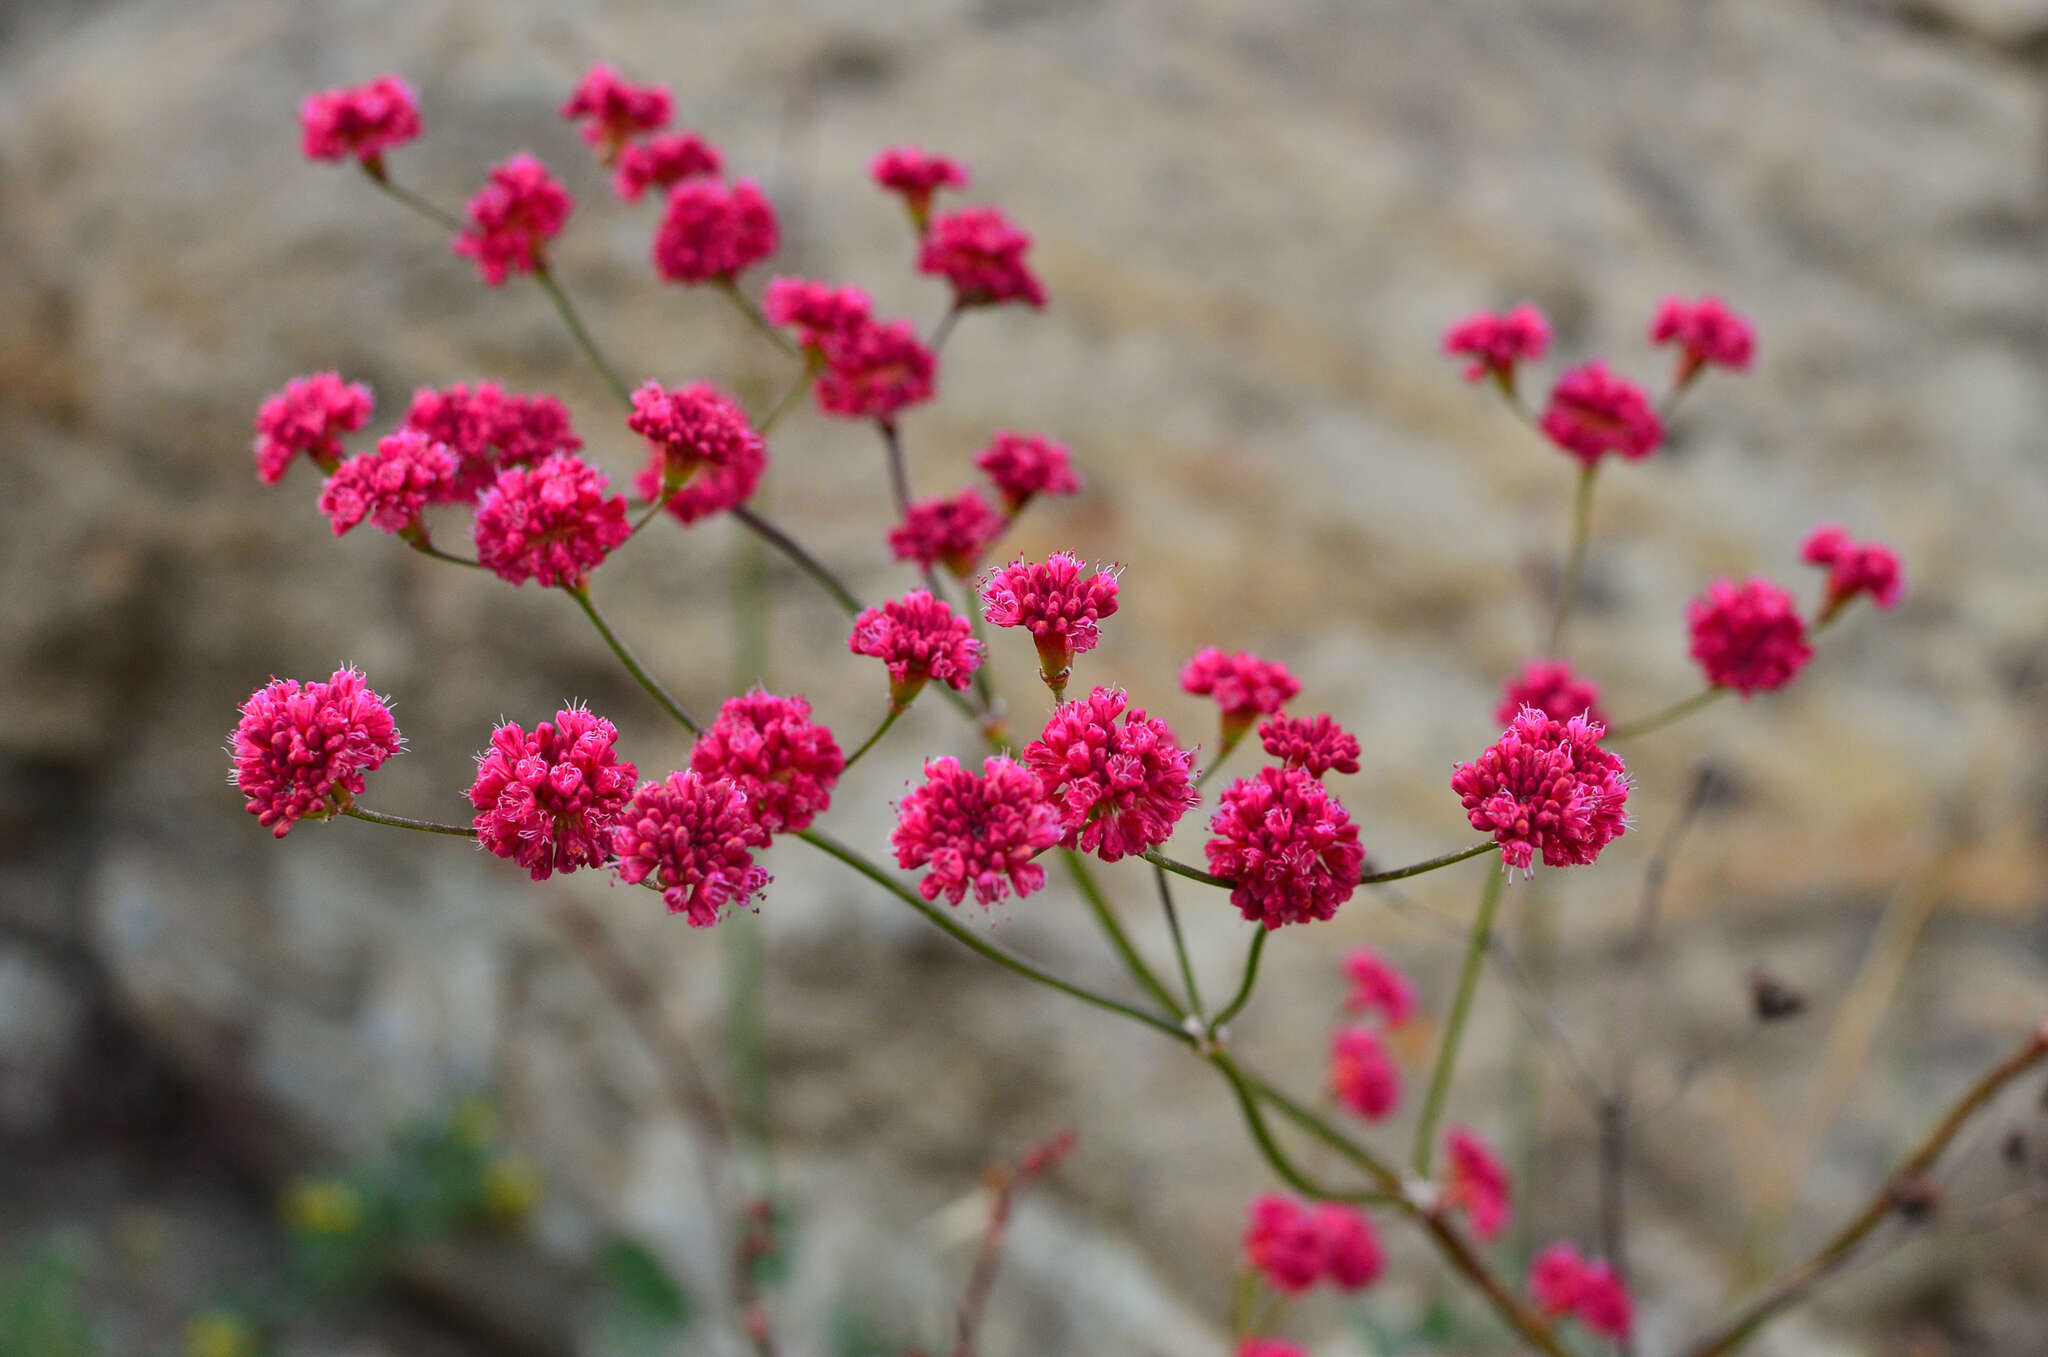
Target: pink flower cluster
x=1546, y=786
x=1316, y=746
x=981, y=254
x=549, y=799
x=364, y=122
x=1268, y=1347
x=1024, y=466
x=1287, y=846
x=308, y=418
x=1748, y=636
x=300, y=750
x=1363, y=1076
x=1377, y=985
x=614, y=110
x=1594, y=411
x=1244, y=686
x=916, y=175
x=918, y=638
x=552, y=523
x=1059, y=601
x=976, y=832
x=663, y=161
x=1705, y=331
x=695, y=837
x=820, y=313
x=875, y=369
x=1293, y=1247
x=488, y=430
x=1120, y=789
x=1497, y=342
x=512, y=218
x=1553, y=688
x=950, y=532
x=1476, y=1182
x=392, y=486
x=1853, y=568
x=713, y=232
x=771, y=750
x=696, y=426
x=1564, y=1283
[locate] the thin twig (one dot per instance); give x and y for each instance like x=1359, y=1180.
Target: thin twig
x=1113, y=929
x=626, y=657
x=1251, y=976
x=1575, y=558
x=1180, y=946
x=1671, y=715
x=899, y=474
x=790, y=547
x=581, y=334
x=1454, y=1026
x=402, y=822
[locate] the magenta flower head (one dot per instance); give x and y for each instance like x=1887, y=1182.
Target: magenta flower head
x=1268, y=1347
x=714, y=233
x=694, y=427
x=822, y=315
x=773, y=751
x=549, y=800
x=1476, y=1182
x=1553, y=688
x=1282, y=1244
x=301, y=749
x=1705, y=331
x=1024, y=466
x=552, y=523
x=979, y=832
x=981, y=254
x=392, y=486
x=950, y=532
x=363, y=122
x=695, y=838
x=1496, y=343
x=1853, y=568
x=1377, y=983
x=874, y=370
x=916, y=175
x=663, y=161
x=1554, y=1279
x=713, y=489
x=1352, y=1256
x=512, y=218
x=1594, y=411
x=1059, y=601
x=1748, y=636
x=919, y=638
x=1315, y=746
x=1546, y=786
x=613, y=110
x=1363, y=1076
x=1287, y=845
x=488, y=430
x=308, y=417
x=1120, y=788
x=1243, y=685
x=1604, y=1304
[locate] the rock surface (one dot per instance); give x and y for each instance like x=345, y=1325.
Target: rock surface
x=1254, y=222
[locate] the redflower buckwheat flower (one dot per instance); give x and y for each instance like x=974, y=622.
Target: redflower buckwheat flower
x=1363, y=1076
x=1287, y=846
x=364, y=121
x=1554, y=1279
x=1853, y=568
x=821, y=314
x=1282, y=1244
x=301, y=749
x=1496, y=343
x=1024, y=466
x=918, y=638
x=1552, y=687
x=1594, y=411
x=873, y=370
x=1748, y=636
x=1316, y=746
x=1377, y=983
x=612, y=110
x=1120, y=788
x=981, y=254
x=1268, y=1347
x=392, y=486
x=1546, y=787
x=1353, y=1258
x=773, y=751
x=975, y=832
x=693, y=427
x=1244, y=686
x=547, y=800
x=695, y=836
x=916, y=175
x=1058, y=601
x=488, y=429
x=950, y=532
x=512, y=218
x=1706, y=332
x=713, y=233
x=1476, y=1183
x=662, y=162
x=308, y=417
x=552, y=523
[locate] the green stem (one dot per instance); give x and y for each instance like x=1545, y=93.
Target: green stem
x=426, y=548
x=944, y=329
x=888, y=720
x=653, y=511
x=745, y=306
x=1269, y=1146
x=1454, y=1027
x=1180, y=946
x=1229, y=743
x=377, y=817
x=433, y=212
x=1244, y=988
x=1427, y=865
x=1676, y=712
x=1167, y=864
x=1105, y=915
x=646, y=680
x=1575, y=557
x=1007, y=960
x=581, y=335
x=1384, y=1175
x=789, y=398
x=790, y=547
x=899, y=474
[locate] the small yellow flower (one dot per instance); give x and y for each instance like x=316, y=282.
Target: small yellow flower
x=320, y=1206
x=511, y=1187
x=219, y=1333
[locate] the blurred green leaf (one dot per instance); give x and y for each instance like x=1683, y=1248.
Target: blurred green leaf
x=644, y=1308
x=39, y=1312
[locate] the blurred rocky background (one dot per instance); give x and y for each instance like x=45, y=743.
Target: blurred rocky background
x=1254, y=221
